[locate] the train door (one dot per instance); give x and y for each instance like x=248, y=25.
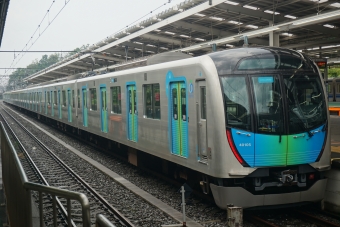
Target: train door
x=103, y=108
x=201, y=112
x=52, y=103
x=179, y=125
x=270, y=143
x=69, y=105
x=59, y=104
x=84, y=94
x=132, y=119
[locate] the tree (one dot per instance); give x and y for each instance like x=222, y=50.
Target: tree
x=32, y=68
x=334, y=72
x=45, y=61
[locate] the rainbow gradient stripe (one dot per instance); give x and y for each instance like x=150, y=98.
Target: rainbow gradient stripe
x=261, y=150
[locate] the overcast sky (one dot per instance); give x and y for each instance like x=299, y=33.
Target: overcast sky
x=80, y=22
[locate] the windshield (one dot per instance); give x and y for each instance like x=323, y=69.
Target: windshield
x=306, y=102
x=303, y=95
x=236, y=102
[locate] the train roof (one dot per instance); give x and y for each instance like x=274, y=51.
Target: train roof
x=228, y=60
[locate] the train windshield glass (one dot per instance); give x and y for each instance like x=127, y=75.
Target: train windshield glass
x=236, y=100
x=306, y=102
x=268, y=104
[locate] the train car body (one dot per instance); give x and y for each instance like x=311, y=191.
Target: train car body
x=333, y=90
x=252, y=122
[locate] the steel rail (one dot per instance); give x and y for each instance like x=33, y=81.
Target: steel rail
x=257, y=220
x=110, y=208
x=316, y=220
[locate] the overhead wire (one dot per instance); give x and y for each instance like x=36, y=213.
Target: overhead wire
x=47, y=14
x=40, y=33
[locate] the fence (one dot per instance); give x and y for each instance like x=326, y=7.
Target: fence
x=18, y=192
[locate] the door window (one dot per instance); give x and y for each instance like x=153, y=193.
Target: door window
x=268, y=103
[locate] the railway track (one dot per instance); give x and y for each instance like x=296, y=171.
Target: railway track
x=271, y=221
x=46, y=168
x=295, y=217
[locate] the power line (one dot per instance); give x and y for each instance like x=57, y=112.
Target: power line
x=48, y=51
x=66, y=2
x=36, y=51
x=22, y=68
x=40, y=34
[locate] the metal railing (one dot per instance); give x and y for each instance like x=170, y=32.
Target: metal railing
x=18, y=192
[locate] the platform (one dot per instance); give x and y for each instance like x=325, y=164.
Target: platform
x=3, y=216
x=335, y=136
x=334, y=108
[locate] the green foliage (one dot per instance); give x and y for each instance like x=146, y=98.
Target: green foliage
x=334, y=72
x=32, y=68
x=83, y=47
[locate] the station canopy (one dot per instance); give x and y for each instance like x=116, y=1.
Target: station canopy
x=198, y=27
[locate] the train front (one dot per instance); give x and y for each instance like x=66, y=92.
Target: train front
x=276, y=127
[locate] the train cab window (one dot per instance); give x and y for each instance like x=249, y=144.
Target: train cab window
x=152, y=106
x=268, y=104
x=116, y=104
x=307, y=108
x=93, y=98
x=55, y=98
x=236, y=102
x=203, y=103
x=64, y=97
x=78, y=95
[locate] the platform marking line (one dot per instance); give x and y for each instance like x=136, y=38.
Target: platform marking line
x=178, y=216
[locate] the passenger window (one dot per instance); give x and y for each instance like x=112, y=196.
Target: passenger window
x=85, y=98
x=78, y=95
x=174, y=101
x=73, y=100
x=55, y=98
x=203, y=104
x=116, y=104
x=152, y=103
x=64, y=97
x=93, y=98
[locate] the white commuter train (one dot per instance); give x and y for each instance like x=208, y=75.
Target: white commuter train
x=248, y=125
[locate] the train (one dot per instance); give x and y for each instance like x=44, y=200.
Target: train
x=249, y=126
x=333, y=90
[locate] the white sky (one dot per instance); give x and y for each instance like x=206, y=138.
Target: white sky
x=80, y=22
